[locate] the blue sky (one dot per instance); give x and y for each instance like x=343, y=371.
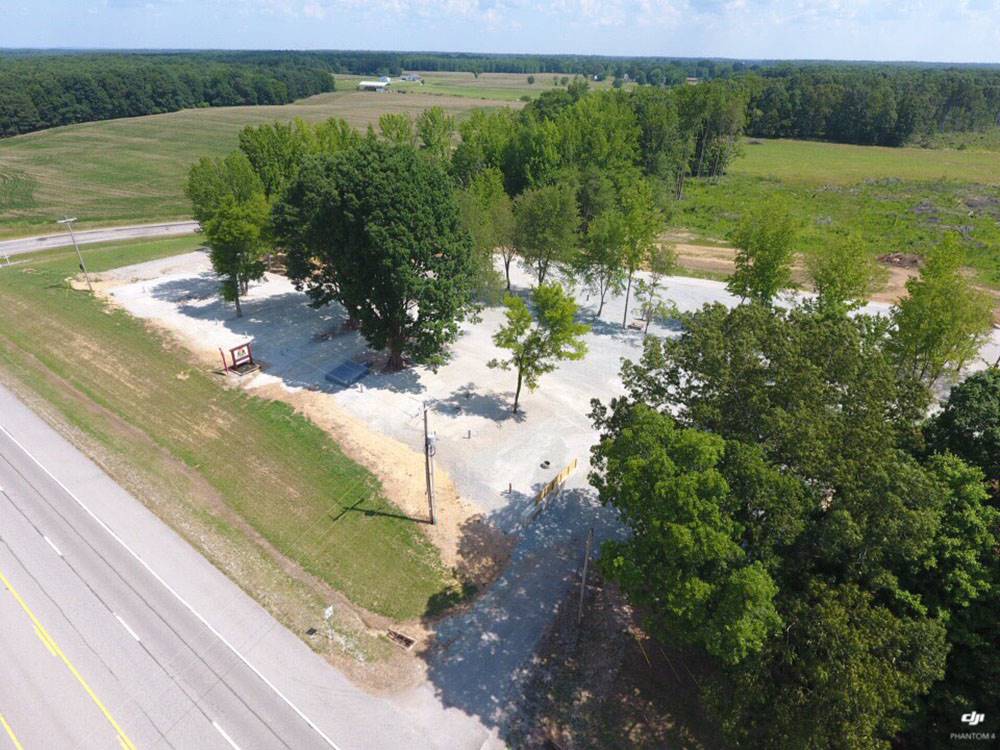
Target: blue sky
x=934, y=30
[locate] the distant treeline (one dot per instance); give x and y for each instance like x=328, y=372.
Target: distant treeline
x=654, y=70
x=863, y=103
x=39, y=92
x=874, y=105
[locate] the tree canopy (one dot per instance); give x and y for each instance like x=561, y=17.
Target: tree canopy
x=537, y=345
x=870, y=565
x=376, y=228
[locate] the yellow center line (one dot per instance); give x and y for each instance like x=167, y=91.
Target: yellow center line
x=50, y=643
x=10, y=733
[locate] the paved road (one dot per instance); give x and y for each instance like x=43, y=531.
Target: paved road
x=117, y=634
x=89, y=236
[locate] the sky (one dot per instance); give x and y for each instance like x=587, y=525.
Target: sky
x=926, y=30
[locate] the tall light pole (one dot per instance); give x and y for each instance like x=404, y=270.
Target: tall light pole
x=68, y=223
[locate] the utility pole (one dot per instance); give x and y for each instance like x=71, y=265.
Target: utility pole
x=583, y=579
x=430, y=447
x=68, y=223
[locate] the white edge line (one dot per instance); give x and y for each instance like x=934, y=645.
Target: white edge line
x=225, y=736
x=125, y=625
x=52, y=545
x=174, y=593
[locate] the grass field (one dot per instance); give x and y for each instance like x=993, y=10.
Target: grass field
x=894, y=199
x=133, y=170
x=491, y=86
x=815, y=163
x=248, y=462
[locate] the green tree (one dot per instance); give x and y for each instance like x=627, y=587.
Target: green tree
x=844, y=274
x=531, y=80
x=763, y=240
x=545, y=228
x=486, y=135
x=843, y=675
x=600, y=264
x=397, y=128
x=969, y=424
x=683, y=563
x=376, y=228
x=227, y=198
x=644, y=220
x=488, y=215
x=883, y=561
x=211, y=181
x=234, y=235
x=943, y=321
x=662, y=263
x=536, y=346
x=435, y=130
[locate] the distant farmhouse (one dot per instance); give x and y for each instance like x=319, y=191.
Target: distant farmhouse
x=380, y=86
x=412, y=77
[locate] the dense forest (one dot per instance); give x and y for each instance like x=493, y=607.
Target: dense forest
x=39, y=92
x=869, y=104
x=883, y=105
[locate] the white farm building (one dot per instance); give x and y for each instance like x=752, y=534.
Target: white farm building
x=373, y=86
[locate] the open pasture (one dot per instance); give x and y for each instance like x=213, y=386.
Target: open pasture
x=894, y=199
x=132, y=170
x=489, y=86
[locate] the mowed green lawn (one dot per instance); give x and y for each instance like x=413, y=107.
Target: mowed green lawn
x=894, y=199
x=815, y=163
x=127, y=387
x=133, y=170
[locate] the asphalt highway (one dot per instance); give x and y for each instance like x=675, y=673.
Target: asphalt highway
x=114, y=633
x=90, y=236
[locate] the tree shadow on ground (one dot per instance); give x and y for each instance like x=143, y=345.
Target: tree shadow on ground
x=467, y=400
x=292, y=340
x=600, y=681
x=482, y=653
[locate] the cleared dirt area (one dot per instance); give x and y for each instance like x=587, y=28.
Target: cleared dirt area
x=718, y=261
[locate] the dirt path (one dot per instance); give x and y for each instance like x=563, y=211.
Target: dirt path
x=720, y=261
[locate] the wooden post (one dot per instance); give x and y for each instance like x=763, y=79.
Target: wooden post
x=429, y=449
x=583, y=579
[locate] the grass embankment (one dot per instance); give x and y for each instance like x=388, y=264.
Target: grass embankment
x=136, y=394
x=895, y=199
x=133, y=170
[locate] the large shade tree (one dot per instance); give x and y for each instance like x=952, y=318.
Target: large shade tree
x=376, y=228
x=883, y=560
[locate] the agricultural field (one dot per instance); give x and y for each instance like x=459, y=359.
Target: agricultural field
x=896, y=199
x=132, y=170
x=489, y=86
x=248, y=474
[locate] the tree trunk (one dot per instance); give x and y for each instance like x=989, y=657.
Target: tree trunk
x=239, y=310
x=628, y=291
x=395, y=362
x=506, y=269
x=517, y=393
x=600, y=307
